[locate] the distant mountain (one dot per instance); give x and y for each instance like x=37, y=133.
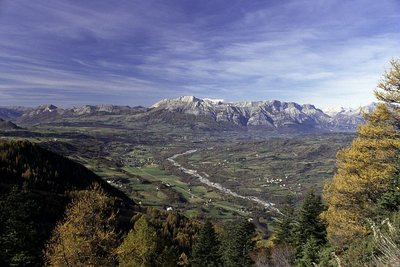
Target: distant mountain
x=11, y=113
x=265, y=114
x=6, y=125
x=206, y=114
x=349, y=118
x=51, y=113
x=268, y=114
x=333, y=111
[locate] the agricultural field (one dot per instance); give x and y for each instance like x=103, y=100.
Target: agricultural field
x=270, y=169
x=248, y=164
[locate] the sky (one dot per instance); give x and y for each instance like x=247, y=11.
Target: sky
x=135, y=52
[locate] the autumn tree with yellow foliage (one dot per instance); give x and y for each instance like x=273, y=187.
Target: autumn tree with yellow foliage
x=140, y=246
x=388, y=89
x=87, y=236
x=366, y=169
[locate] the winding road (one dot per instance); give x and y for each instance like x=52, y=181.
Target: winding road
x=204, y=179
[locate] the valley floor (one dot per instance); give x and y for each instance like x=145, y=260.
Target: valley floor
x=230, y=174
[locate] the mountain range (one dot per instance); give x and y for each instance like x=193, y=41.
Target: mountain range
x=268, y=115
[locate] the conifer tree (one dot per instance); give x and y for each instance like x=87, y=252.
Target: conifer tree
x=389, y=202
x=309, y=232
x=19, y=235
x=364, y=174
x=206, y=249
x=144, y=246
x=388, y=89
x=139, y=248
x=308, y=222
x=283, y=226
x=237, y=243
x=309, y=253
x=87, y=236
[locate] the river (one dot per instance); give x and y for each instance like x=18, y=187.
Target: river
x=204, y=179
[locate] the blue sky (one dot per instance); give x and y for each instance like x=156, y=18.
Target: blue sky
x=73, y=52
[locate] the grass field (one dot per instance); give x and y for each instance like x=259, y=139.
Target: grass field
x=135, y=161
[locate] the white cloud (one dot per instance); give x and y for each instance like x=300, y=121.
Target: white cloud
x=327, y=52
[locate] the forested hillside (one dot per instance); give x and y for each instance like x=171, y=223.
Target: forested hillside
x=27, y=165
x=56, y=212
x=36, y=185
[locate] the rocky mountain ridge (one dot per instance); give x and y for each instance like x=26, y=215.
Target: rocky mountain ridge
x=270, y=114
x=267, y=114
x=51, y=113
x=11, y=113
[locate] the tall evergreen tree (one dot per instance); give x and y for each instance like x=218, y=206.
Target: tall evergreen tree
x=206, y=249
x=19, y=235
x=389, y=202
x=309, y=232
x=237, y=243
x=309, y=253
x=308, y=222
x=284, y=224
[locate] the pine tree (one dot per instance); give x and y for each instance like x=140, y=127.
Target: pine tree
x=389, y=202
x=19, y=235
x=364, y=174
x=167, y=255
x=283, y=226
x=237, y=243
x=206, y=249
x=309, y=253
x=87, y=236
x=309, y=232
x=308, y=222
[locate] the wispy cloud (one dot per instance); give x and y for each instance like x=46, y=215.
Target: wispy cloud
x=135, y=52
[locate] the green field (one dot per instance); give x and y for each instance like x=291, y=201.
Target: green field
x=135, y=160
